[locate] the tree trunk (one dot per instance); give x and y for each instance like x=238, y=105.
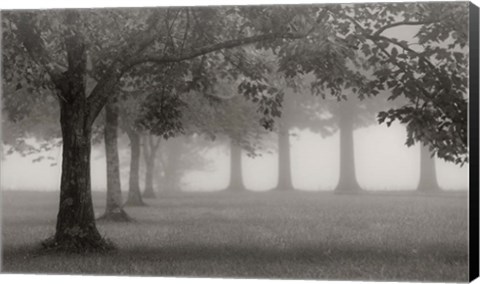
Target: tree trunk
x=347, y=179
x=113, y=209
x=428, y=175
x=149, y=151
x=149, y=170
x=236, y=176
x=134, y=195
x=284, y=164
x=172, y=178
x=76, y=229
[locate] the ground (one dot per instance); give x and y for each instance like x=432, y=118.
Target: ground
x=300, y=235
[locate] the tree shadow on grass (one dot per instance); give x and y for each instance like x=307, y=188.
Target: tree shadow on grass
x=322, y=261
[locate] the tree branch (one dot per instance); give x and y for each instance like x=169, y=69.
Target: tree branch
x=136, y=45
x=102, y=90
x=211, y=48
x=420, y=56
x=374, y=40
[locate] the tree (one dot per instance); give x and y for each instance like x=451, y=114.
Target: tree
x=134, y=194
x=432, y=78
x=172, y=153
x=430, y=70
x=129, y=106
x=150, y=147
x=240, y=123
x=300, y=110
x=114, y=203
x=160, y=115
x=347, y=178
x=227, y=115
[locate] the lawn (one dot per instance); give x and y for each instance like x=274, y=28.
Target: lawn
x=299, y=235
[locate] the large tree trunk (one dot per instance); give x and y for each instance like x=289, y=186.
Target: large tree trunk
x=284, y=164
x=428, y=175
x=347, y=178
x=76, y=229
x=134, y=195
x=236, y=176
x=113, y=209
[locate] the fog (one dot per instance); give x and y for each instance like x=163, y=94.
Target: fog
x=382, y=162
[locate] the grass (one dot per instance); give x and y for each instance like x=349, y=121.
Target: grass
x=297, y=235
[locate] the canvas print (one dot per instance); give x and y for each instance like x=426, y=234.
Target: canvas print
x=314, y=141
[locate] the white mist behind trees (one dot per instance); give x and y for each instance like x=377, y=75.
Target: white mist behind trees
x=382, y=162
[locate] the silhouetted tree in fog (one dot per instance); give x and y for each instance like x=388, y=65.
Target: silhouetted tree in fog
x=172, y=165
x=130, y=107
x=346, y=119
x=227, y=114
x=301, y=110
x=150, y=147
x=114, y=204
x=134, y=194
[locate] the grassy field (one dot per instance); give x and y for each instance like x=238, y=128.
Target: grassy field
x=296, y=235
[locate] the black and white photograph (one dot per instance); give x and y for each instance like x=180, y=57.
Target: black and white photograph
x=304, y=141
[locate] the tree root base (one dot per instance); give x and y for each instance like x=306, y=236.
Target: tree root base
x=77, y=244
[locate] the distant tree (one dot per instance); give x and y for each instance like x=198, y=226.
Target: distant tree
x=239, y=122
x=226, y=114
x=150, y=147
x=171, y=160
x=129, y=107
x=114, y=207
x=301, y=110
x=160, y=114
x=347, y=116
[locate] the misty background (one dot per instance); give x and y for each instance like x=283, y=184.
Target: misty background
x=382, y=162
